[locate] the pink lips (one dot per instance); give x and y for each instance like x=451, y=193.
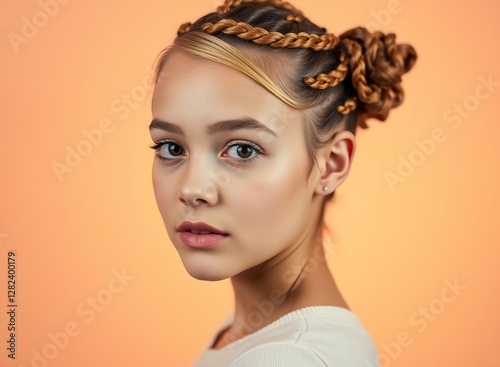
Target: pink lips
x=200, y=240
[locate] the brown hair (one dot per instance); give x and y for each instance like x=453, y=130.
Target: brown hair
x=339, y=80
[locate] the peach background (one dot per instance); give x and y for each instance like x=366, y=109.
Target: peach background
x=393, y=249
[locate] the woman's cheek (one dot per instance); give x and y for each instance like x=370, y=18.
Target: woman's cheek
x=162, y=193
x=265, y=205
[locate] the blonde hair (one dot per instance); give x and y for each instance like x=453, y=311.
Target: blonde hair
x=212, y=48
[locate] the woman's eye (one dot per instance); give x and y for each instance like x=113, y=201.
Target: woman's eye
x=171, y=149
x=168, y=150
x=244, y=151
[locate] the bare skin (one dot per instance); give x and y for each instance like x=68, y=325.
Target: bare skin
x=273, y=254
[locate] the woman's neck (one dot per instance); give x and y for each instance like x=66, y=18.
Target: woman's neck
x=289, y=281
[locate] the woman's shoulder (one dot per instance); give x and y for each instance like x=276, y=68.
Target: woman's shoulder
x=315, y=336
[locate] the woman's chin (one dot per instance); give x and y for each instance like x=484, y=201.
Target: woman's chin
x=206, y=272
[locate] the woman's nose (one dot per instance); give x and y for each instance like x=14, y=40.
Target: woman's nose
x=198, y=186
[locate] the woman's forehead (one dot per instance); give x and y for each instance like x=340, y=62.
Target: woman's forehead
x=198, y=86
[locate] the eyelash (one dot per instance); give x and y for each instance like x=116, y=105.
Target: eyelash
x=255, y=147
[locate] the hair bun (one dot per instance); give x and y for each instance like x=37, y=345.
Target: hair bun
x=377, y=64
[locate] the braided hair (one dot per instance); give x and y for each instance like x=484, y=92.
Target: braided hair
x=343, y=79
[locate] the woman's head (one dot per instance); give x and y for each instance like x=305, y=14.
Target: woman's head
x=263, y=61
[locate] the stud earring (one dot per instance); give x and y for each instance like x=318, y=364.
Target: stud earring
x=325, y=188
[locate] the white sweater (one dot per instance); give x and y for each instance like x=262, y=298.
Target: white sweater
x=316, y=336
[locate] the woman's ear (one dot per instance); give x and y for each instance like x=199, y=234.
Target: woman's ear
x=334, y=161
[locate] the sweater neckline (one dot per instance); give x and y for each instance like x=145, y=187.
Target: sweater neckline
x=336, y=313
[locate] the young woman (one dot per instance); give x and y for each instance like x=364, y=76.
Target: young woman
x=254, y=114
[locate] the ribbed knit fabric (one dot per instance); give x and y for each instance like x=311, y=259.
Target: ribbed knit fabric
x=316, y=336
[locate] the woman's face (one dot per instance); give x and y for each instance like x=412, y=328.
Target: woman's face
x=232, y=156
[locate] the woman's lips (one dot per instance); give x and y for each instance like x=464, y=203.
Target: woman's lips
x=196, y=240
x=200, y=234
x=198, y=227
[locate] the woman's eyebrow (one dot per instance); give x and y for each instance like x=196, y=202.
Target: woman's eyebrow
x=245, y=123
